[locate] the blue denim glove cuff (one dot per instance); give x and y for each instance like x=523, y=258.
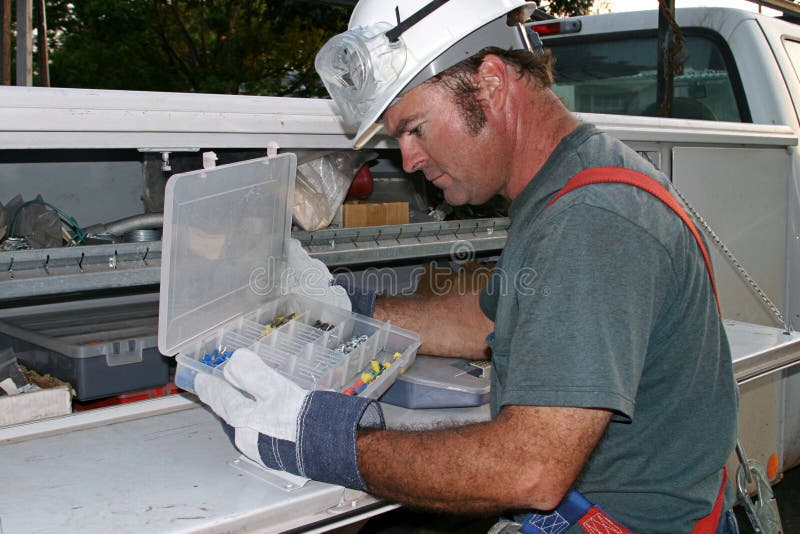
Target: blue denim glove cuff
x=327, y=435
x=362, y=299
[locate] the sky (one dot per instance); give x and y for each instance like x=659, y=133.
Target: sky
x=635, y=5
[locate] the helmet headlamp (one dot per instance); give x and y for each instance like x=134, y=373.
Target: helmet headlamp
x=384, y=55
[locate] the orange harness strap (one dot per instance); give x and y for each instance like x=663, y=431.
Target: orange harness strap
x=621, y=175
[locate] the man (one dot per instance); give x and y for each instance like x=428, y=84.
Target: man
x=612, y=373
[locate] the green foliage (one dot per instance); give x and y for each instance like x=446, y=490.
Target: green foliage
x=256, y=47
x=568, y=8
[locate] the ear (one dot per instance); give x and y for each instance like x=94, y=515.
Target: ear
x=493, y=80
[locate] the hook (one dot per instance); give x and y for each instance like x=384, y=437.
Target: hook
x=46, y=263
x=144, y=258
x=80, y=262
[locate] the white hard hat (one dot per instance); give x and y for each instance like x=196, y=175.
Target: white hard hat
x=390, y=47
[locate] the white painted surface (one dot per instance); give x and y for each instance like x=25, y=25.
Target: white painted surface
x=741, y=192
x=173, y=472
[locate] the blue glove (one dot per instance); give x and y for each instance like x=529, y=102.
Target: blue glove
x=362, y=299
x=279, y=425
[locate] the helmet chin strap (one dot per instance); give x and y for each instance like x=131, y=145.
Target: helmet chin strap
x=394, y=34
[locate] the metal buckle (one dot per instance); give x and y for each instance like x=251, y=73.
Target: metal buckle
x=763, y=511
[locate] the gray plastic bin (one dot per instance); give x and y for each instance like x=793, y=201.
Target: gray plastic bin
x=435, y=382
x=101, y=350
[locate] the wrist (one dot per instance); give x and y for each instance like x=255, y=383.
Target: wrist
x=327, y=440
x=379, y=311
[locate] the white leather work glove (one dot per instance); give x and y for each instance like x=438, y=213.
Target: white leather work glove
x=279, y=425
x=311, y=278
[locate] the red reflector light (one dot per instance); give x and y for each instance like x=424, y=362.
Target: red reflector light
x=560, y=27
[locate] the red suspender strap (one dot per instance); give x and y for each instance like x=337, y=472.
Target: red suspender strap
x=708, y=524
x=620, y=175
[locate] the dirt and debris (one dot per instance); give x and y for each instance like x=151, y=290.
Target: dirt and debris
x=45, y=381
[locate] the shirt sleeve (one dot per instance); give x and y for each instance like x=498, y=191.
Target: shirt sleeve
x=582, y=333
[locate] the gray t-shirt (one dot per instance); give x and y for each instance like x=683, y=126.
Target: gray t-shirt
x=603, y=300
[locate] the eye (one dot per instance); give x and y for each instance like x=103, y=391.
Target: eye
x=416, y=131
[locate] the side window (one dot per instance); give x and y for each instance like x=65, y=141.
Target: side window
x=793, y=50
x=619, y=76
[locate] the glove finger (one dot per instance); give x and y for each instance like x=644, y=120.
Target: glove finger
x=339, y=297
x=310, y=277
x=247, y=371
x=225, y=400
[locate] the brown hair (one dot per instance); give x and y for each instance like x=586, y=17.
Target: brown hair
x=460, y=79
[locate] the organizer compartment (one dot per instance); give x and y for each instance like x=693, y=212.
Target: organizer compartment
x=306, y=354
x=191, y=363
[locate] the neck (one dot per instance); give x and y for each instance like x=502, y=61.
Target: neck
x=537, y=124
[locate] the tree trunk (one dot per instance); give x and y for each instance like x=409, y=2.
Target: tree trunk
x=24, y=43
x=41, y=44
x=665, y=69
x=5, y=42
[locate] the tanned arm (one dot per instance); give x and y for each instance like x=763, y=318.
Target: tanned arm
x=527, y=458
x=450, y=325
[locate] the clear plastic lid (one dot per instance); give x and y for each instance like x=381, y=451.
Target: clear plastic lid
x=454, y=374
x=223, y=244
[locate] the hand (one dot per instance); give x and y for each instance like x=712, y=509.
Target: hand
x=279, y=425
x=311, y=278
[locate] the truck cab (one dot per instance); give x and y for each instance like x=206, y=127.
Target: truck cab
x=164, y=464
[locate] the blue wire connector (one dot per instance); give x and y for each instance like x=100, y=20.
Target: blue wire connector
x=216, y=357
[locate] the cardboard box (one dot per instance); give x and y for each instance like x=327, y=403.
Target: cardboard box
x=35, y=405
x=357, y=213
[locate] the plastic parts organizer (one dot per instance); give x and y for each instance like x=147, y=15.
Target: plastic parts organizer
x=222, y=288
x=306, y=353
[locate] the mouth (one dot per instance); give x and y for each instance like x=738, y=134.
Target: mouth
x=435, y=178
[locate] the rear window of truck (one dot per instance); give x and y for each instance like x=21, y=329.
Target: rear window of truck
x=617, y=75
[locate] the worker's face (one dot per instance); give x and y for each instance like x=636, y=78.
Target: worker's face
x=438, y=138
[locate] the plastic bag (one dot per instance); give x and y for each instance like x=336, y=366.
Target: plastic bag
x=5, y=217
x=323, y=179
x=37, y=223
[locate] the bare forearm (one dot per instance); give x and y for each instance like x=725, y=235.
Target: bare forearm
x=527, y=458
x=410, y=468
x=450, y=325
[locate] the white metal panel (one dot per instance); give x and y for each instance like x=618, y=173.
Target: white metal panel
x=742, y=195
x=685, y=131
x=165, y=465
x=173, y=472
x=82, y=118
x=766, y=92
x=93, y=192
x=765, y=396
x=791, y=418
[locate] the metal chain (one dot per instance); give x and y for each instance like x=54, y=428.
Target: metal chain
x=733, y=261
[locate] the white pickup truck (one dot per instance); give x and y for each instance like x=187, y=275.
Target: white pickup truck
x=164, y=465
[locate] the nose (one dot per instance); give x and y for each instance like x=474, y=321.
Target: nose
x=414, y=157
